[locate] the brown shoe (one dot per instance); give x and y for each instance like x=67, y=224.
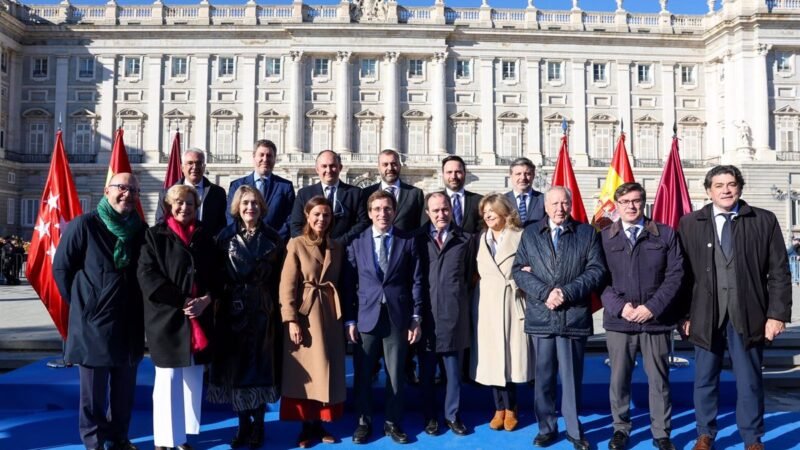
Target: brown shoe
x=755, y=446
x=510, y=421
x=497, y=421
x=324, y=436
x=704, y=442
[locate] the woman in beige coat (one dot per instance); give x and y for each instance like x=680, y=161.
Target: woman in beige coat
x=500, y=352
x=313, y=388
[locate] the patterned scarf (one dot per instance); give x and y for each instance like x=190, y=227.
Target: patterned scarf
x=123, y=227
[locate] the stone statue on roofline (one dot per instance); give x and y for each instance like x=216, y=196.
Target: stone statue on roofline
x=369, y=10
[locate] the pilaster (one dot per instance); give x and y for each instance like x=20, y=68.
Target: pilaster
x=391, y=105
x=344, y=102
x=534, y=113
x=153, y=76
x=488, y=121
x=759, y=113
x=667, y=101
x=438, y=103
x=578, y=149
x=60, y=113
x=107, y=125
x=248, y=77
x=296, y=102
x=201, y=78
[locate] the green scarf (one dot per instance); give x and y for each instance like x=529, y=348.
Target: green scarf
x=124, y=228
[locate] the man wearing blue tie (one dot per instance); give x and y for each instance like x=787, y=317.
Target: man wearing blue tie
x=278, y=192
x=528, y=201
x=384, y=313
x=464, y=203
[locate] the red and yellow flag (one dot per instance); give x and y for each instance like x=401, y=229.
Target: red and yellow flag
x=120, y=163
x=619, y=173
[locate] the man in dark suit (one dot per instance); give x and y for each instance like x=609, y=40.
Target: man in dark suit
x=410, y=204
x=278, y=192
x=384, y=313
x=213, y=204
x=559, y=264
x=529, y=202
x=448, y=255
x=464, y=203
x=349, y=210
x=741, y=298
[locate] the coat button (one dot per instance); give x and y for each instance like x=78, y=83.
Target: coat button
x=708, y=245
x=708, y=269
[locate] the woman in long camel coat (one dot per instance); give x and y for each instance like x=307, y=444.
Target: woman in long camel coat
x=501, y=351
x=313, y=388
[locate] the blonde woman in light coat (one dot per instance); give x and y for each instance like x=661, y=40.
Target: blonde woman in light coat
x=501, y=349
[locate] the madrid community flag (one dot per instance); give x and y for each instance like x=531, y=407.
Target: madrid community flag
x=672, y=198
x=563, y=175
x=619, y=173
x=59, y=205
x=174, y=165
x=120, y=164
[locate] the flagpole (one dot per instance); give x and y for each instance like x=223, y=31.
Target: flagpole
x=675, y=361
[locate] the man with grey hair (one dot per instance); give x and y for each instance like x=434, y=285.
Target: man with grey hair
x=559, y=263
x=213, y=202
x=529, y=202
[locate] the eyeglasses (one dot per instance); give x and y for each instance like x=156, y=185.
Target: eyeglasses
x=636, y=201
x=133, y=190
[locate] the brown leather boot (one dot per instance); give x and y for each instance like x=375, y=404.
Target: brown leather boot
x=755, y=446
x=704, y=442
x=497, y=421
x=510, y=421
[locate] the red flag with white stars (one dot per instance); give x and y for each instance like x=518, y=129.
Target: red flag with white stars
x=59, y=205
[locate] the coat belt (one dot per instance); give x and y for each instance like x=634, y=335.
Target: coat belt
x=312, y=291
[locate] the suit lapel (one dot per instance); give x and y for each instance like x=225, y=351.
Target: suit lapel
x=393, y=256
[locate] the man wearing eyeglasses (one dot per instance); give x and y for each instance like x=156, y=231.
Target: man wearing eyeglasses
x=95, y=270
x=213, y=202
x=349, y=210
x=645, y=261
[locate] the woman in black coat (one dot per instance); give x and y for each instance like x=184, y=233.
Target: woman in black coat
x=178, y=280
x=243, y=371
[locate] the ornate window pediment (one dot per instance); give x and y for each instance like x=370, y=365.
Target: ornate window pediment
x=415, y=114
x=177, y=114
x=224, y=114
x=787, y=110
x=646, y=119
x=37, y=113
x=509, y=116
x=556, y=117
x=603, y=118
x=271, y=114
x=691, y=120
x=462, y=116
x=84, y=114
x=130, y=114
x=319, y=114
x=367, y=115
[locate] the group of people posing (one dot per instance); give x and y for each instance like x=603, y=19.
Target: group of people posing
x=265, y=288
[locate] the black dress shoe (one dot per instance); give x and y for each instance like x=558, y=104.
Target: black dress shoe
x=619, y=441
x=184, y=446
x=122, y=445
x=545, y=440
x=363, y=430
x=663, y=444
x=395, y=432
x=456, y=426
x=578, y=444
x=431, y=426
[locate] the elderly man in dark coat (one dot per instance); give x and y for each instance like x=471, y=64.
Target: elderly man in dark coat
x=559, y=264
x=448, y=257
x=645, y=262
x=741, y=297
x=95, y=270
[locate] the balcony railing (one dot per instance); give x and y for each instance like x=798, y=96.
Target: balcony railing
x=648, y=163
x=788, y=156
x=223, y=159
x=699, y=163
x=599, y=162
x=135, y=158
x=27, y=157
x=82, y=158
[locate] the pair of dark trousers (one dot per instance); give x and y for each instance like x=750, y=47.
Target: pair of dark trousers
x=393, y=341
x=622, y=349
x=562, y=356
x=505, y=397
x=452, y=396
x=749, y=385
x=106, y=400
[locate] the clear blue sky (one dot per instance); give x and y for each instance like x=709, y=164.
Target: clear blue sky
x=675, y=6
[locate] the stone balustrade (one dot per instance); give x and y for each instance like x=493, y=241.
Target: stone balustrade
x=256, y=14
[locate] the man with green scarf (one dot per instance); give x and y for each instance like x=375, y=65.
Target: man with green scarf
x=95, y=270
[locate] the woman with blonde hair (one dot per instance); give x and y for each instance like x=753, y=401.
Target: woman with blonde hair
x=500, y=351
x=313, y=389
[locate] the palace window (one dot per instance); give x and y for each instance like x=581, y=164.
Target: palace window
x=509, y=69
x=82, y=138
x=369, y=68
x=321, y=67
x=689, y=75
x=415, y=68
x=39, y=67
x=787, y=133
x=783, y=62
x=132, y=67
x=227, y=67
x=600, y=73
x=180, y=67
x=644, y=73
x=463, y=69
x=272, y=67
x=554, y=71
x=86, y=68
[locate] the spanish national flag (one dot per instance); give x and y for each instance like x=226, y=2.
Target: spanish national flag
x=619, y=173
x=119, y=163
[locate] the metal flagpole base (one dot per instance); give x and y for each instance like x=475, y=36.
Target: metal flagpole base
x=58, y=364
x=678, y=362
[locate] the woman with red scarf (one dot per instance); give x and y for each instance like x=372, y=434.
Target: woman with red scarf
x=178, y=280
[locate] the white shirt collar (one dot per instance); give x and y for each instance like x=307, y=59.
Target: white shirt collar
x=189, y=183
x=376, y=233
x=517, y=194
x=257, y=177
x=553, y=226
x=396, y=185
x=639, y=224
x=718, y=211
x=450, y=192
x=336, y=185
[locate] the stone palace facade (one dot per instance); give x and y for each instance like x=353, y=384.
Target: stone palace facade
x=359, y=76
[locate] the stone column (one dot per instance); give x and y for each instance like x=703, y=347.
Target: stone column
x=60, y=118
x=577, y=138
x=438, y=103
x=391, y=104
x=14, y=132
x=667, y=102
x=759, y=113
x=296, y=102
x=730, y=109
x=712, y=133
x=344, y=103
x=107, y=125
x=535, y=141
x=488, y=120
x=153, y=76
x=248, y=76
x=201, y=81
x=624, y=99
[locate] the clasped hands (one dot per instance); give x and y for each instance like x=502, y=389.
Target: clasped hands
x=414, y=333
x=194, y=307
x=636, y=314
